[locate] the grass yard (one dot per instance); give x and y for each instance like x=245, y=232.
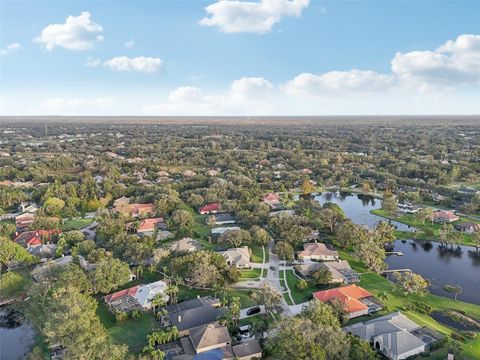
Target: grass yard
x=299, y=296
x=250, y=274
x=257, y=254
x=75, y=224
x=410, y=219
x=133, y=333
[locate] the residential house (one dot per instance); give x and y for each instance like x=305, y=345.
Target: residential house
x=356, y=300
x=43, y=251
x=184, y=245
x=223, y=219
x=220, y=230
x=317, y=251
x=137, y=297
x=213, y=172
x=396, y=336
x=341, y=272
x=467, y=227
x=306, y=269
x=23, y=221
x=213, y=342
x=238, y=257
x=147, y=225
x=192, y=313
x=135, y=210
x=35, y=237
x=41, y=270
x=271, y=199
x=210, y=209
x=248, y=350
x=189, y=173
x=443, y=216
x=164, y=235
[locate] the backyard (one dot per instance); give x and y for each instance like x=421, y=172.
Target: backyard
x=75, y=224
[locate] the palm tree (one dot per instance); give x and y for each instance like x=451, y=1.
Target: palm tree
x=172, y=291
x=159, y=301
x=139, y=271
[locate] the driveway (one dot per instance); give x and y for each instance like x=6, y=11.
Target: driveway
x=243, y=312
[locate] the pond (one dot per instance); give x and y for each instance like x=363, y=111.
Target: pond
x=459, y=266
x=357, y=208
x=16, y=340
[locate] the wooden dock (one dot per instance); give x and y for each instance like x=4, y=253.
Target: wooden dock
x=396, y=270
x=398, y=253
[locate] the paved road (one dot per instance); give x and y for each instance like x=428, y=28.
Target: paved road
x=89, y=231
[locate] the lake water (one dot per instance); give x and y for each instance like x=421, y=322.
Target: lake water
x=17, y=342
x=357, y=207
x=441, y=266
x=459, y=266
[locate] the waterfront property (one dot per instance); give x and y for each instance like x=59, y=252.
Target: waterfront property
x=394, y=335
x=356, y=300
x=317, y=251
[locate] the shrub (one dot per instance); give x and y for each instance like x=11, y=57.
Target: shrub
x=458, y=337
x=423, y=307
x=121, y=316
x=469, y=334
x=136, y=314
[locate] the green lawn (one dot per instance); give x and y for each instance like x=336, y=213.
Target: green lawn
x=257, y=254
x=299, y=296
x=75, y=224
x=410, y=219
x=250, y=274
x=133, y=333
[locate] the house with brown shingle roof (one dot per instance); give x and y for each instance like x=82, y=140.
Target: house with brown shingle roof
x=317, y=251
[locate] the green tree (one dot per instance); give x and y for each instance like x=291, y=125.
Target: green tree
x=72, y=322
x=301, y=285
x=12, y=254
x=235, y=238
x=390, y=205
x=411, y=283
x=321, y=277
x=53, y=206
x=109, y=274
x=269, y=297
x=307, y=187
x=260, y=236
x=284, y=250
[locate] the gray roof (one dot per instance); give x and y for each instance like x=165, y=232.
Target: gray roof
x=223, y=217
x=383, y=325
x=400, y=342
x=193, y=313
x=209, y=335
x=248, y=348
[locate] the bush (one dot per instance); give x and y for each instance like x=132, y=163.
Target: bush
x=458, y=337
x=469, y=334
x=423, y=307
x=121, y=316
x=136, y=314
x=439, y=344
x=425, y=354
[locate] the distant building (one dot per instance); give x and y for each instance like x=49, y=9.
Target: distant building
x=271, y=199
x=148, y=225
x=210, y=209
x=223, y=219
x=184, y=245
x=220, y=230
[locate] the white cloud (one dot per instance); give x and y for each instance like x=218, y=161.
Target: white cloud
x=138, y=64
x=338, y=82
x=246, y=96
x=233, y=16
x=455, y=63
x=93, y=62
x=10, y=48
x=77, y=33
x=129, y=44
x=62, y=105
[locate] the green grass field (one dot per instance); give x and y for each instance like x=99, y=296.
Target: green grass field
x=250, y=274
x=133, y=333
x=299, y=296
x=75, y=224
x=257, y=254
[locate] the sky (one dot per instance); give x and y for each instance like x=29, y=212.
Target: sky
x=258, y=57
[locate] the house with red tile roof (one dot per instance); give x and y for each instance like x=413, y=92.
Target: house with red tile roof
x=271, y=198
x=357, y=300
x=317, y=251
x=210, y=209
x=34, y=238
x=135, y=210
x=147, y=225
x=443, y=216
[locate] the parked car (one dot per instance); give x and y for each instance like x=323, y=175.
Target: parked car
x=244, y=328
x=254, y=310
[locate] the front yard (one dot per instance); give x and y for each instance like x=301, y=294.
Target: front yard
x=299, y=296
x=75, y=224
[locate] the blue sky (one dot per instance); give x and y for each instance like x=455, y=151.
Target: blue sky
x=264, y=57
